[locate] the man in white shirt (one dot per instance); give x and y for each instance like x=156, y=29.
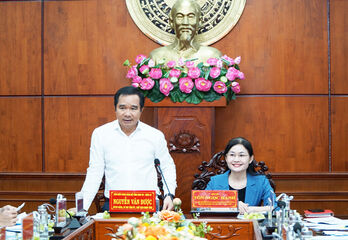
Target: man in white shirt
x=125, y=149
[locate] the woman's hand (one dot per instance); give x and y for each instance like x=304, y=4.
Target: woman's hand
x=243, y=207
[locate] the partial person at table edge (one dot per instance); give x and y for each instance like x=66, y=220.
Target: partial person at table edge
x=8, y=216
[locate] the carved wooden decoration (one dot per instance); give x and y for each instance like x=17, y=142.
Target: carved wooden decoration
x=184, y=142
x=232, y=232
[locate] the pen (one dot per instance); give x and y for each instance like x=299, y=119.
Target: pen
x=20, y=207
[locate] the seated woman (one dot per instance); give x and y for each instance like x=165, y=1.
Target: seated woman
x=253, y=188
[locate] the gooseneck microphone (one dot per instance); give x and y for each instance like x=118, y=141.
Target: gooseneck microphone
x=158, y=167
x=297, y=229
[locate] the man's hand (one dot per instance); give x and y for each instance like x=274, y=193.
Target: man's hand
x=168, y=203
x=8, y=216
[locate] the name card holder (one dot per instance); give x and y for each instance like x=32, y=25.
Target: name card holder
x=214, y=202
x=122, y=201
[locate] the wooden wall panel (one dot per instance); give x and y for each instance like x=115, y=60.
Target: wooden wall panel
x=69, y=123
x=288, y=133
x=310, y=191
x=283, y=45
x=20, y=48
x=86, y=43
x=339, y=46
x=284, y=49
x=339, y=134
x=20, y=135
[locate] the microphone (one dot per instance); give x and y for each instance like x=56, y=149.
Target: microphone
x=281, y=204
x=297, y=229
x=158, y=167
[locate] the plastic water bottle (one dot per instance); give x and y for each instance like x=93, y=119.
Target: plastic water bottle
x=43, y=222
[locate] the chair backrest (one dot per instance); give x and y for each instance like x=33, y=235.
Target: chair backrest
x=217, y=165
x=99, y=198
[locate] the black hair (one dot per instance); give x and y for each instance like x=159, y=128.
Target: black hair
x=129, y=90
x=248, y=147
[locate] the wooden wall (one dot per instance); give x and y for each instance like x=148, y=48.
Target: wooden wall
x=61, y=63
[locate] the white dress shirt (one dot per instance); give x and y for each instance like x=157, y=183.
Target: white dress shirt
x=127, y=161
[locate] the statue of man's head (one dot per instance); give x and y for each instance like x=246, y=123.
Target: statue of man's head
x=184, y=18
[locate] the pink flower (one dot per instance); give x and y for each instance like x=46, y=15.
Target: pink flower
x=235, y=87
x=190, y=64
x=147, y=84
x=186, y=85
x=165, y=86
x=214, y=72
x=155, y=73
x=132, y=72
x=144, y=69
x=202, y=84
x=232, y=73
x=228, y=59
x=174, y=73
x=219, y=63
x=181, y=62
x=220, y=87
x=171, y=64
x=241, y=75
x=237, y=60
x=136, y=85
x=137, y=79
x=151, y=63
x=140, y=58
x=194, y=72
x=212, y=61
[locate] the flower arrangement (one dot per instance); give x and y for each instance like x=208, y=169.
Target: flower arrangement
x=164, y=225
x=185, y=81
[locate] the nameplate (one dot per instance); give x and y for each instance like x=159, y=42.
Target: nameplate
x=132, y=201
x=214, y=199
x=28, y=224
x=2, y=233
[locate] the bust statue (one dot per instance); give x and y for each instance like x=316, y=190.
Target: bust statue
x=184, y=18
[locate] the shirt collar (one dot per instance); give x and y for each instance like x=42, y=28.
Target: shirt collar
x=118, y=127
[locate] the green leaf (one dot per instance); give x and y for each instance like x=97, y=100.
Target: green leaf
x=228, y=94
x=166, y=74
x=206, y=74
x=175, y=94
x=154, y=94
x=199, y=93
x=192, y=98
x=211, y=96
x=126, y=63
x=225, y=61
x=200, y=65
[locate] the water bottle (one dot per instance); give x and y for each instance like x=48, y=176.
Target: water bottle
x=43, y=222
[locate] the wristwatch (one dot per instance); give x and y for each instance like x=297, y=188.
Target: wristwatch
x=170, y=195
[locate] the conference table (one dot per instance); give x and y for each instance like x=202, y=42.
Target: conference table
x=223, y=228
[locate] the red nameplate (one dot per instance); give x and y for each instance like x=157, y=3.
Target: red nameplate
x=214, y=199
x=2, y=233
x=132, y=201
x=27, y=224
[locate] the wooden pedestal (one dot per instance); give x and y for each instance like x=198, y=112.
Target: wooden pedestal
x=189, y=131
